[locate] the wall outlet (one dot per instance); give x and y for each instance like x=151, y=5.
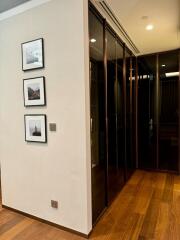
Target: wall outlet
x=54, y=204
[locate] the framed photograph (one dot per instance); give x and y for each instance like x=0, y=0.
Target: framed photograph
x=35, y=128
x=34, y=92
x=33, y=54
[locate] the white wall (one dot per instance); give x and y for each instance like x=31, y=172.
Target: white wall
x=34, y=173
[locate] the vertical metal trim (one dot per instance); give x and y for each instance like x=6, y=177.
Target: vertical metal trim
x=131, y=69
x=131, y=115
x=90, y=75
x=116, y=98
x=157, y=111
x=179, y=115
x=124, y=108
x=136, y=114
x=106, y=106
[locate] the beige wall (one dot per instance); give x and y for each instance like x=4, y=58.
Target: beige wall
x=34, y=173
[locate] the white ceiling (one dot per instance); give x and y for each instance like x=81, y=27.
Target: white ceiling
x=8, y=4
x=163, y=14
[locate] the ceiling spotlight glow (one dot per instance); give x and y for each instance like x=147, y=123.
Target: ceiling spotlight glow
x=93, y=40
x=172, y=74
x=163, y=65
x=149, y=27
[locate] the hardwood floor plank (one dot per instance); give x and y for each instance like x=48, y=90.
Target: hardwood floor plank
x=16, y=229
x=168, y=189
x=150, y=220
x=147, y=208
x=35, y=231
x=43, y=231
x=133, y=230
x=159, y=184
x=162, y=222
x=6, y=216
x=5, y=227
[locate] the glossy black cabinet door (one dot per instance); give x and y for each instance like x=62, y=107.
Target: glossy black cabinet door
x=134, y=115
x=168, y=111
x=147, y=114
x=111, y=135
x=119, y=116
x=98, y=129
x=129, y=117
x=158, y=111
x=111, y=99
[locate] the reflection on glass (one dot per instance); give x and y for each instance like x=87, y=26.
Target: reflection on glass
x=119, y=109
x=115, y=115
x=130, y=120
x=98, y=151
x=129, y=157
x=168, y=114
x=147, y=124
x=111, y=96
x=134, y=151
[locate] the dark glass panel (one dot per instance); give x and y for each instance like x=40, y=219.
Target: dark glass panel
x=111, y=96
x=129, y=120
x=119, y=115
x=134, y=113
x=147, y=124
x=97, y=85
x=168, y=111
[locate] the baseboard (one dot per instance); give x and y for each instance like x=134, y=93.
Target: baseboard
x=159, y=170
x=48, y=222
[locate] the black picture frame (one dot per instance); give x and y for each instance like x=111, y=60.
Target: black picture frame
x=39, y=137
x=32, y=66
x=34, y=102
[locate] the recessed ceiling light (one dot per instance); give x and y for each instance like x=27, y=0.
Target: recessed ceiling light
x=149, y=27
x=93, y=40
x=163, y=65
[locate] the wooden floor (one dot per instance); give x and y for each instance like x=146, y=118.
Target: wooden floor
x=148, y=207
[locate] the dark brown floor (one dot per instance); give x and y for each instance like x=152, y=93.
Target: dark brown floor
x=148, y=207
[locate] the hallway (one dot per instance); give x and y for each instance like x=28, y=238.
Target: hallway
x=147, y=208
